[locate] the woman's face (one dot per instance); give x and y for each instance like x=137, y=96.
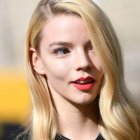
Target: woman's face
x=69, y=61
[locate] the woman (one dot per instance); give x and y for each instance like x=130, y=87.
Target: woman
x=75, y=74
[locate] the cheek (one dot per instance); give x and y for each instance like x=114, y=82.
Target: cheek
x=59, y=69
x=63, y=68
x=97, y=63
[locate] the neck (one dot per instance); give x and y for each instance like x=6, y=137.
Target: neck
x=74, y=120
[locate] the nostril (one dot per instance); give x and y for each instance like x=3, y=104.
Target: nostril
x=85, y=68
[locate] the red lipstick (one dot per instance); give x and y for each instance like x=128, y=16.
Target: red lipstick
x=84, y=83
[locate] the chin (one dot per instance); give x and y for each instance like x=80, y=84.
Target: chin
x=85, y=101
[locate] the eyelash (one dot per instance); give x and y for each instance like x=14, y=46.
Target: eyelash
x=61, y=51
x=65, y=50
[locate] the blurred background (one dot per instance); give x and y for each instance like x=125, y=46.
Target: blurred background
x=14, y=19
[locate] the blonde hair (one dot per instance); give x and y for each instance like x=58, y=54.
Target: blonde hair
x=118, y=119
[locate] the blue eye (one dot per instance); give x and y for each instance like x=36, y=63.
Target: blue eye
x=61, y=51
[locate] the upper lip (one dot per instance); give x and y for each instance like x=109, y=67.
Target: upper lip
x=90, y=79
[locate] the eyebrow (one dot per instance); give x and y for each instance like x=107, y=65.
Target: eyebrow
x=60, y=43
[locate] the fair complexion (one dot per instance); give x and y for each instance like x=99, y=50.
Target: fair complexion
x=66, y=54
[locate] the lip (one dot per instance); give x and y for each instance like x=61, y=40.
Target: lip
x=84, y=79
x=84, y=86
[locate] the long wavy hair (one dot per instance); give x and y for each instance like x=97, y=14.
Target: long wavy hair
x=118, y=119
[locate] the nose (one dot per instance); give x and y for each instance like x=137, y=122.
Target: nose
x=82, y=61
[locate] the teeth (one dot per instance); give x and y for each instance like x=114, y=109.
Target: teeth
x=82, y=82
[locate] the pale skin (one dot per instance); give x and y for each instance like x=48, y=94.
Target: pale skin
x=65, y=55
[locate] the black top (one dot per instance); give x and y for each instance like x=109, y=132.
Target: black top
x=60, y=137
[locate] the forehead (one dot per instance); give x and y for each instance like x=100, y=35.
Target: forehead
x=65, y=27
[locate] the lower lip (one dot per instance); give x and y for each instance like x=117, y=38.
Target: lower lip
x=84, y=87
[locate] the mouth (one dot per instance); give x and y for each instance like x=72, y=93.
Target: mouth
x=84, y=84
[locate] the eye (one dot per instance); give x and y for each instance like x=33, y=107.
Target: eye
x=61, y=51
x=90, y=47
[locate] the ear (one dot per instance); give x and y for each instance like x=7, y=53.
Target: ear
x=36, y=62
